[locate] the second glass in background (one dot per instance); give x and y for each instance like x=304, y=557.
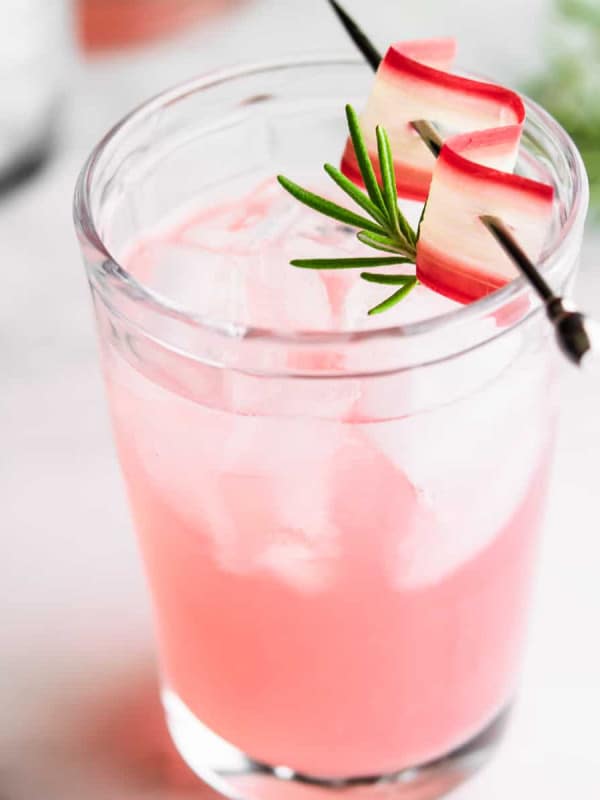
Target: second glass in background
x=35, y=45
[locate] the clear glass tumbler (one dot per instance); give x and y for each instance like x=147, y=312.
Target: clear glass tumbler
x=339, y=527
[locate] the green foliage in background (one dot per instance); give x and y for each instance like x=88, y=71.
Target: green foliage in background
x=570, y=86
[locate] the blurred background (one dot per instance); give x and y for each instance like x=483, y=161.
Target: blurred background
x=79, y=713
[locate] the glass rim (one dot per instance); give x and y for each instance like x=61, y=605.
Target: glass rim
x=230, y=328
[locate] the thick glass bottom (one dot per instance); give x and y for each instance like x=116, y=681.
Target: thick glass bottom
x=234, y=775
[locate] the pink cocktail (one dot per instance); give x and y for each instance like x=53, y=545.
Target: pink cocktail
x=339, y=520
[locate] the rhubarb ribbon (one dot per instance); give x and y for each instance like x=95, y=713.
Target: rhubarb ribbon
x=473, y=175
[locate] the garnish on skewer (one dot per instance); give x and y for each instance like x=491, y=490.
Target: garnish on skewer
x=463, y=177
x=466, y=191
x=577, y=335
x=385, y=229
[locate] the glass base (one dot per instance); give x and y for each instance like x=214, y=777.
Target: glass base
x=234, y=775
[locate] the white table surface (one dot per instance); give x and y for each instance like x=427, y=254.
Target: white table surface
x=79, y=716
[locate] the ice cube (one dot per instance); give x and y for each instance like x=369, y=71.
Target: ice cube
x=420, y=304
x=471, y=461
x=246, y=225
x=255, y=488
x=285, y=298
x=273, y=479
x=292, y=298
x=204, y=282
x=371, y=502
x=325, y=398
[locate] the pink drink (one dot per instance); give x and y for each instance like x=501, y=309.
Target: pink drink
x=338, y=589
x=338, y=513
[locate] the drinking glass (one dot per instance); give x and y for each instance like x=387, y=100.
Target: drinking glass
x=339, y=527
x=109, y=24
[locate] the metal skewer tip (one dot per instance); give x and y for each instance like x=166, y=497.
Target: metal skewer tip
x=429, y=135
x=573, y=330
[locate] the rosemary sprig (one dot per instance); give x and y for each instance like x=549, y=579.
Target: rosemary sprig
x=385, y=229
x=575, y=334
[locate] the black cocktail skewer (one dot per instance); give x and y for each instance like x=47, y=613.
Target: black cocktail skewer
x=575, y=333
x=360, y=39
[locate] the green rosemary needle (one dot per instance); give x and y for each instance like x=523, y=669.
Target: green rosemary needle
x=385, y=228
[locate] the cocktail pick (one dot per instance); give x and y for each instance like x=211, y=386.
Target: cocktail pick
x=360, y=39
x=577, y=335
